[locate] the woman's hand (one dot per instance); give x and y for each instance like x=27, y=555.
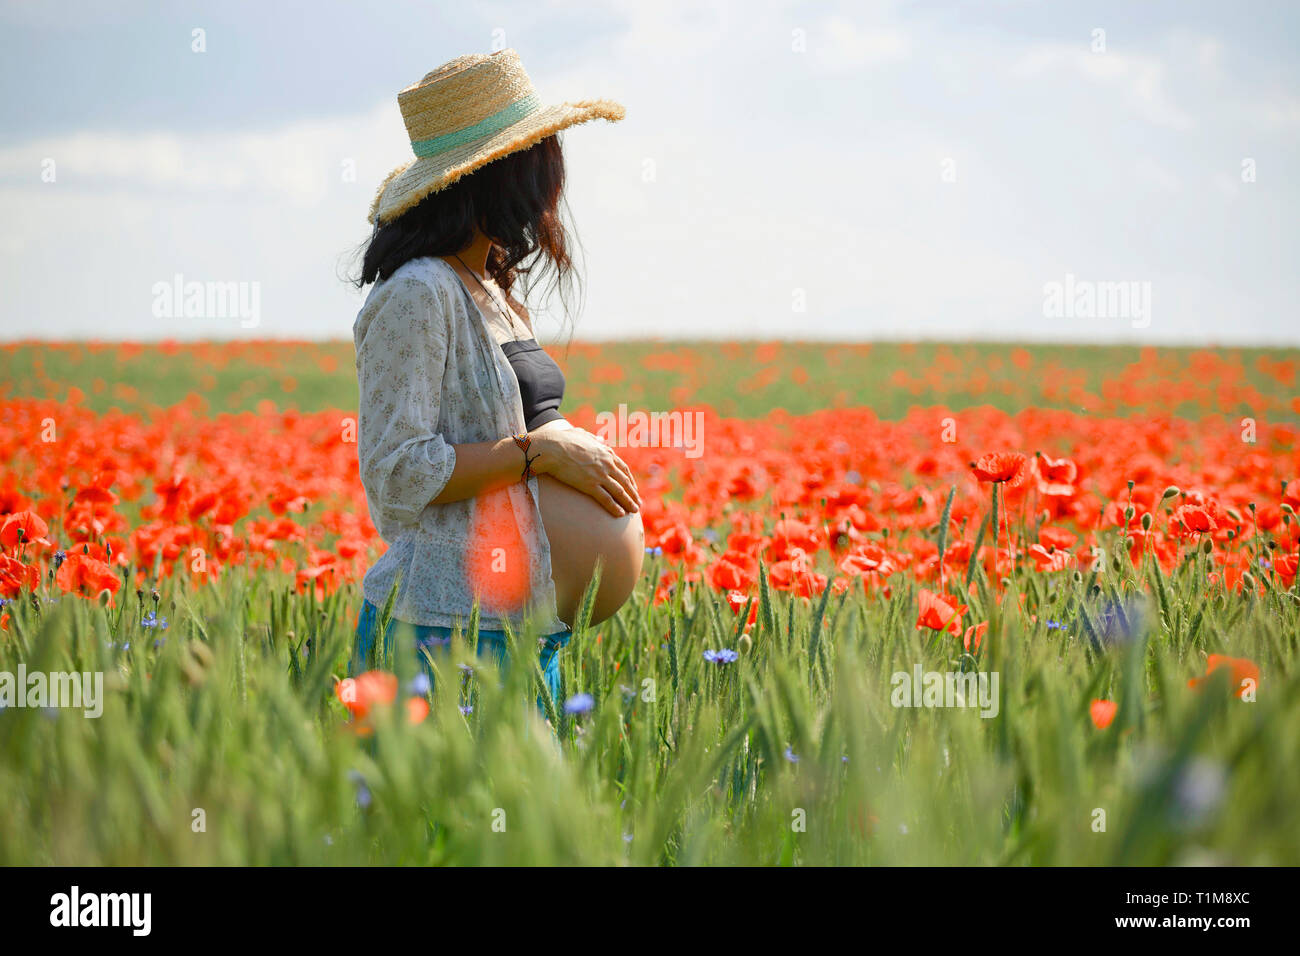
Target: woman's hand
x=581, y=460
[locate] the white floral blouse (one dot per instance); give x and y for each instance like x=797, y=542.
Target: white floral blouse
x=431, y=375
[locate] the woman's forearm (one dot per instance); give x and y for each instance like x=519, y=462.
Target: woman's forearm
x=487, y=465
x=568, y=454
x=481, y=467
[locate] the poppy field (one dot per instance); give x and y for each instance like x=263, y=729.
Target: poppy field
x=910, y=604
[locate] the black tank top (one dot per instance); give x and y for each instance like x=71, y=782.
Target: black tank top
x=541, y=383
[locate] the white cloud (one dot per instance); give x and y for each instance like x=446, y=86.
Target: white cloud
x=1141, y=79
x=300, y=161
x=1150, y=171
x=1274, y=111
x=1066, y=160
x=839, y=44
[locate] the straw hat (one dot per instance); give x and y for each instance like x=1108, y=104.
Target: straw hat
x=465, y=114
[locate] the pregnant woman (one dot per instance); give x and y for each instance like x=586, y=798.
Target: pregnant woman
x=482, y=490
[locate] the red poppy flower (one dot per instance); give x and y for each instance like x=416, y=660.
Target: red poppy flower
x=23, y=527
x=1001, y=467
x=868, y=559
x=1049, y=560
x=417, y=708
x=1194, y=519
x=1102, y=713
x=1240, y=670
x=736, y=600
x=15, y=576
x=84, y=574
x=1059, y=538
x=938, y=612
x=1286, y=566
x=497, y=558
x=790, y=536
x=1059, y=470
x=361, y=694
x=733, y=571
x=675, y=539
x=667, y=583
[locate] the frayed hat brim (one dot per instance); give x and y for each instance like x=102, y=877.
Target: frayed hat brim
x=408, y=184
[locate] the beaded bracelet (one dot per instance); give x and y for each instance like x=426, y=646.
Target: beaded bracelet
x=524, y=441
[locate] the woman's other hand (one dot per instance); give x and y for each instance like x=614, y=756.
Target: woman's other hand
x=581, y=460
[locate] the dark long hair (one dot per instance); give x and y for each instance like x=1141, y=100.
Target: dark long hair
x=515, y=200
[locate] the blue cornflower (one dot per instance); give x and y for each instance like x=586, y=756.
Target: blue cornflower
x=654, y=552
x=1054, y=625
x=363, y=792
x=152, y=620
x=579, y=704
x=466, y=710
x=59, y=558
x=791, y=756
x=724, y=656
x=1199, y=789
x=1121, y=622
x=419, y=685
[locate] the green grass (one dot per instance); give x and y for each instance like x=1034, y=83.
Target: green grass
x=234, y=715
x=744, y=379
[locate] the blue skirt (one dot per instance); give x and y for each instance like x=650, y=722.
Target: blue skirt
x=432, y=639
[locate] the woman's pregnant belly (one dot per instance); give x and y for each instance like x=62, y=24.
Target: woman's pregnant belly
x=580, y=531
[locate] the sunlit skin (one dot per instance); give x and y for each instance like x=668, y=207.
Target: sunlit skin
x=580, y=531
x=588, y=498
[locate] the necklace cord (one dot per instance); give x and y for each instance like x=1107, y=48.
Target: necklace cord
x=496, y=305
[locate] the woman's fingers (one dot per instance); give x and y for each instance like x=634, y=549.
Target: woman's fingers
x=620, y=493
x=618, y=467
x=631, y=478
x=610, y=505
x=626, y=484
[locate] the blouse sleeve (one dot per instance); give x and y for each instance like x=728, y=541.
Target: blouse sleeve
x=404, y=461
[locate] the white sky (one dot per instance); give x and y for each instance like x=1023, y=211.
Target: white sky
x=774, y=170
